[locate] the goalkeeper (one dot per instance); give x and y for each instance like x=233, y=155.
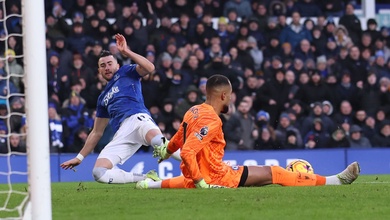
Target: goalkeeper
x=201, y=140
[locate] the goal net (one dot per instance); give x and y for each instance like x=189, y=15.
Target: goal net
x=25, y=191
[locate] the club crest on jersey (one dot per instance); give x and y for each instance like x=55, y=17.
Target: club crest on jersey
x=203, y=132
x=116, y=77
x=110, y=94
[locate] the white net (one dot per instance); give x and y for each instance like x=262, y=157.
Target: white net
x=13, y=160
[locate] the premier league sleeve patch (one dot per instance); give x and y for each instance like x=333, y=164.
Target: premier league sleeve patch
x=202, y=132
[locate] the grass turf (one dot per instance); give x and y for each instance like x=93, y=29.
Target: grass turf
x=367, y=198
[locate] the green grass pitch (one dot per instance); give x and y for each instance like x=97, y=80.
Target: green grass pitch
x=367, y=198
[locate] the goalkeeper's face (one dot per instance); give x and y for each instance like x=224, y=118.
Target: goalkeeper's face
x=108, y=66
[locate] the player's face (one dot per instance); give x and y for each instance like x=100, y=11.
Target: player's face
x=228, y=96
x=108, y=67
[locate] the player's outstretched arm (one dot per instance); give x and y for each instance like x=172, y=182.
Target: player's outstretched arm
x=91, y=142
x=144, y=66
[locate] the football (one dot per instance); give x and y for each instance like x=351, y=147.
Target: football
x=300, y=165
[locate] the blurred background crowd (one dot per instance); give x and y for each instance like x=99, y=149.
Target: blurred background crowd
x=305, y=73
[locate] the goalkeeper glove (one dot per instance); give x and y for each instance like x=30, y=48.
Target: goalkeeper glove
x=161, y=150
x=203, y=185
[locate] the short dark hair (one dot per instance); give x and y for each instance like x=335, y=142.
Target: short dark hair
x=105, y=53
x=216, y=81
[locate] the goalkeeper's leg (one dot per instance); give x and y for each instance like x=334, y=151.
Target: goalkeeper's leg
x=175, y=182
x=265, y=175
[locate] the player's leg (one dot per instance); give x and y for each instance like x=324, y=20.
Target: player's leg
x=172, y=183
x=153, y=135
x=265, y=175
x=125, y=143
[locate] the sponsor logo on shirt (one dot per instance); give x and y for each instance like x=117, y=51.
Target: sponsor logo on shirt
x=203, y=132
x=110, y=94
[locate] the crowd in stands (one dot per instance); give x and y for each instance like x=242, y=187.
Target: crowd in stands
x=310, y=83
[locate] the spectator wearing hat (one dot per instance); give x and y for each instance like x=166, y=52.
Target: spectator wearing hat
x=327, y=108
x=317, y=136
x=379, y=66
x=338, y=139
x=272, y=29
x=93, y=55
x=333, y=51
x=352, y=23
x=277, y=8
x=372, y=27
x=283, y=127
x=341, y=37
x=3, y=137
x=291, y=141
x=317, y=112
x=255, y=52
x=385, y=34
x=295, y=32
x=356, y=138
x=242, y=7
x=14, y=67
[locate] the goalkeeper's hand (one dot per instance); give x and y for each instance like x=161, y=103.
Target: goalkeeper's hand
x=203, y=185
x=161, y=151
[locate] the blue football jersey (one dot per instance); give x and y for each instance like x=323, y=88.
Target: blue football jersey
x=122, y=97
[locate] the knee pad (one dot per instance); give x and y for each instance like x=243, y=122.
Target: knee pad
x=98, y=172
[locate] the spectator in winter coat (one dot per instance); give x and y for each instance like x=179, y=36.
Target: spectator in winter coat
x=295, y=32
x=338, y=139
x=356, y=138
x=382, y=139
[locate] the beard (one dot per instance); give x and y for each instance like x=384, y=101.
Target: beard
x=225, y=109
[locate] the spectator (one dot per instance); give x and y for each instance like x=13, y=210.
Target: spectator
x=369, y=95
x=370, y=128
x=261, y=15
x=356, y=138
x=347, y=90
x=266, y=140
x=332, y=8
x=242, y=7
x=283, y=127
x=317, y=112
x=16, y=143
x=55, y=129
x=344, y=118
x=382, y=139
x=338, y=139
x=295, y=32
x=308, y=8
x=72, y=118
x=360, y=118
x=342, y=37
x=372, y=26
x=77, y=40
x=190, y=99
x=14, y=68
x=350, y=21
x=316, y=137
x=356, y=66
x=303, y=51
